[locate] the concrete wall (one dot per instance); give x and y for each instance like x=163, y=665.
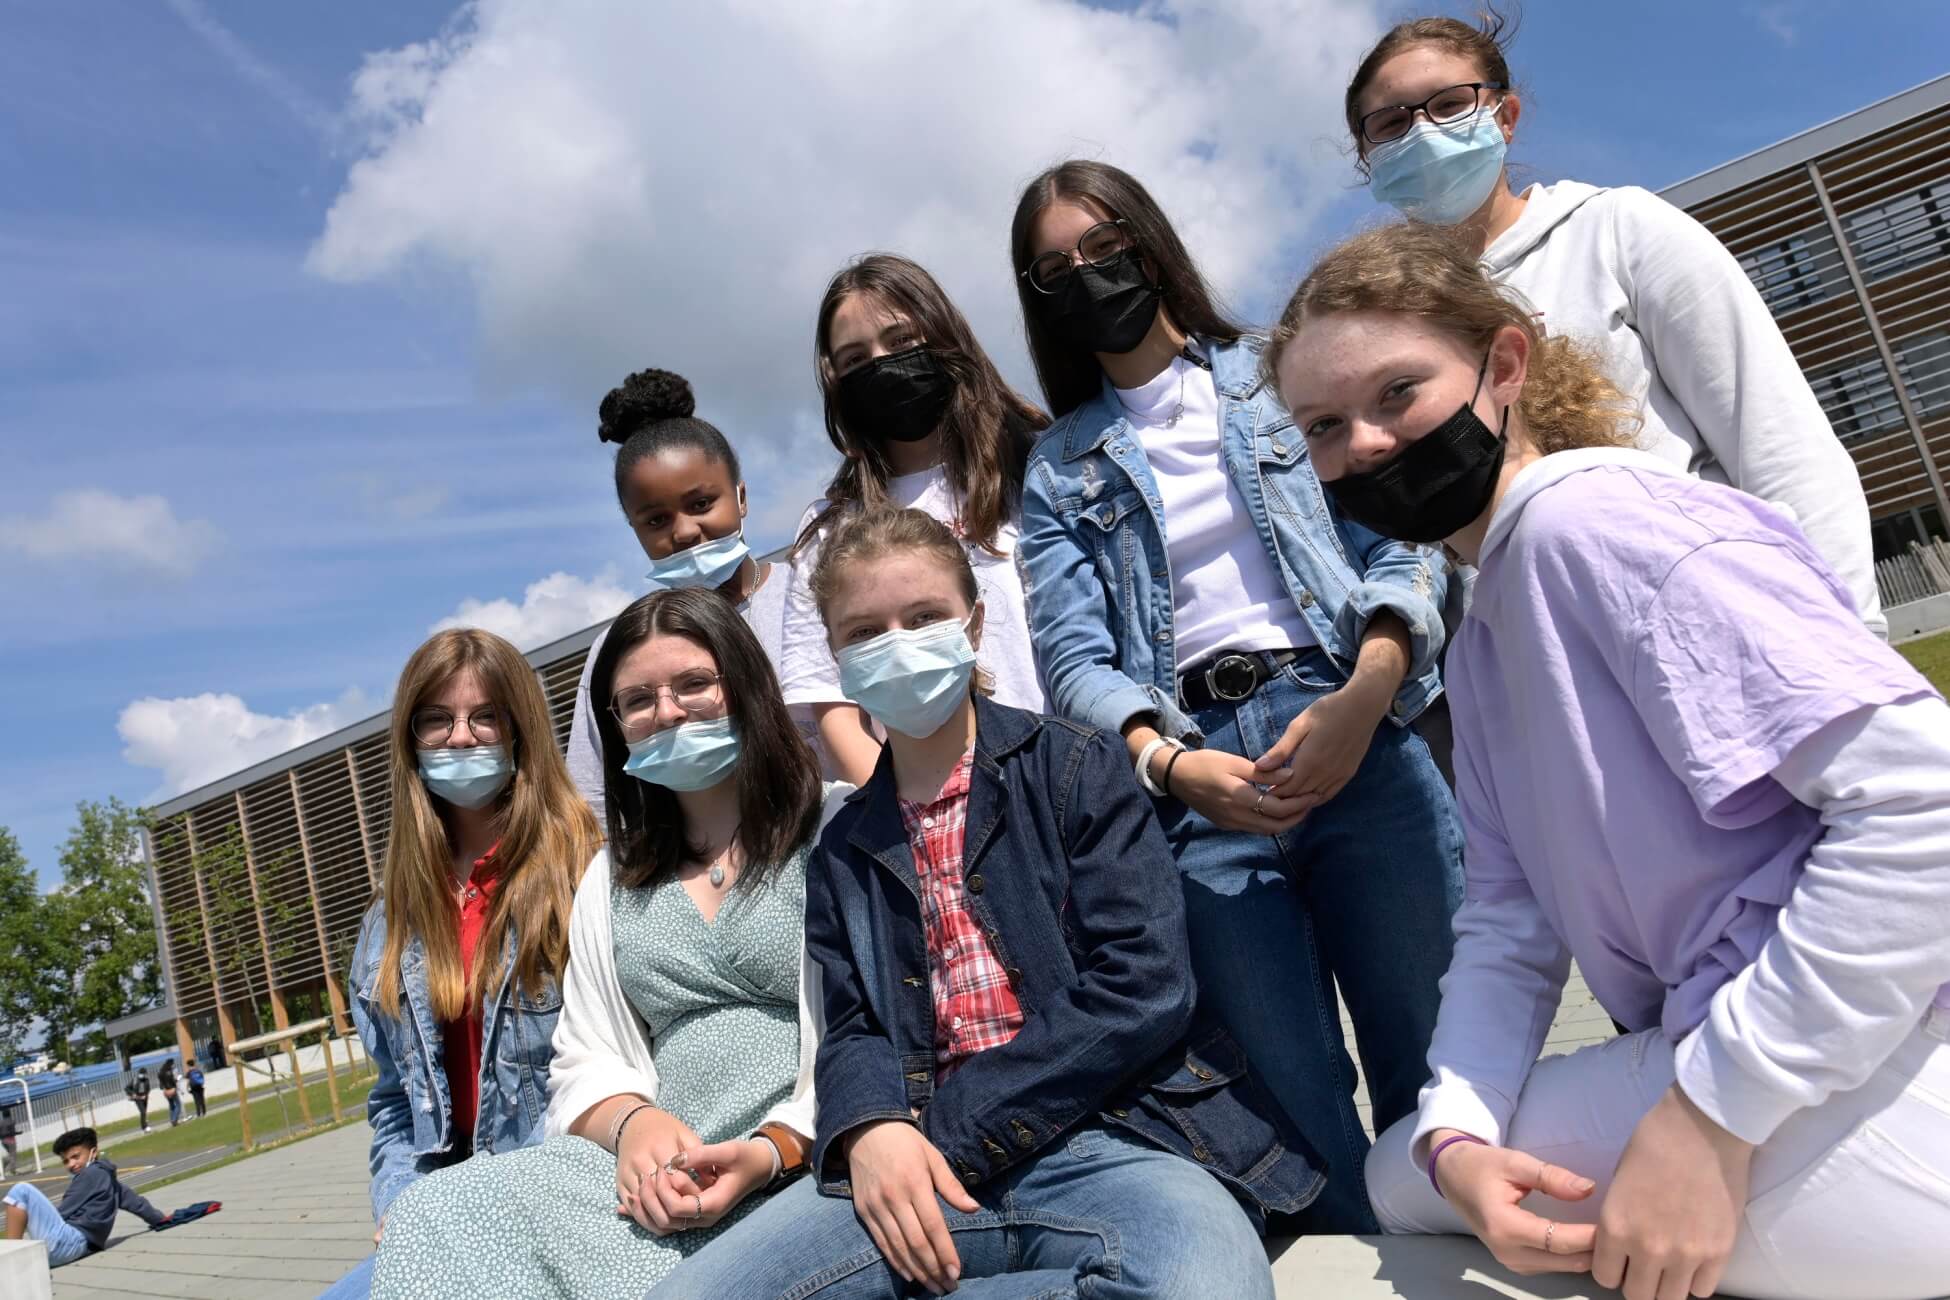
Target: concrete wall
x=1918, y=618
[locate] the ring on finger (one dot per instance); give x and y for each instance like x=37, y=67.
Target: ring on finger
x=700, y=1205
x=1550, y=1230
x=1259, y=802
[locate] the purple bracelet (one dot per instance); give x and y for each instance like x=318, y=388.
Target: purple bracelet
x=1444, y=1145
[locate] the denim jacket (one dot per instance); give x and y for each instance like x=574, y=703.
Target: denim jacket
x=1097, y=576
x=410, y=1107
x=1068, y=872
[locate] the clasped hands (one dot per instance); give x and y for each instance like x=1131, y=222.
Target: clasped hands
x=670, y=1180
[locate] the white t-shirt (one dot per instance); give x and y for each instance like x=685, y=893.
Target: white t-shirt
x=764, y=613
x=809, y=672
x=1226, y=594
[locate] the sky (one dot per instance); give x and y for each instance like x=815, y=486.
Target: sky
x=306, y=309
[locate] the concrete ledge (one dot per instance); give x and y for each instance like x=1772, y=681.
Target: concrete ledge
x=24, y=1274
x=1415, y=1268
x=1918, y=618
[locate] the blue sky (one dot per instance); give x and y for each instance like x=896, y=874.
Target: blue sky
x=295, y=362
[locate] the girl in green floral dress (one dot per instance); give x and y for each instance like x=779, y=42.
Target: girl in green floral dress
x=681, y=1089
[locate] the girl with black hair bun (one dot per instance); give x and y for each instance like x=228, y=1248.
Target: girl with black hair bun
x=1264, y=658
x=680, y=486
x=923, y=419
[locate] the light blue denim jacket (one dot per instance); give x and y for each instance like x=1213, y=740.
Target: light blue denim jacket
x=410, y=1107
x=1098, y=578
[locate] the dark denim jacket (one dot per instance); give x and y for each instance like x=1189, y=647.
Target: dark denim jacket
x=1069, y=874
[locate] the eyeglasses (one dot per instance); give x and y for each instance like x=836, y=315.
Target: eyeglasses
x=1099, y=247
x=635, y=707
x=433, y=728
x=1446, y=105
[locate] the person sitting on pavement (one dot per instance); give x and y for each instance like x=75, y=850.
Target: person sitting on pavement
x=79, y=1226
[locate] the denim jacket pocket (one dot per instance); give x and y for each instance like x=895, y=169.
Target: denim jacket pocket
x=1279, y=444
x=1222, y=1118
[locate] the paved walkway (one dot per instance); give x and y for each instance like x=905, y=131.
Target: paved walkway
x=296, y=1219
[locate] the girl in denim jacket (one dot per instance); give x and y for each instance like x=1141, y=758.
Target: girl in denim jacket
x=1264, y=659
x=456, y=977
x=1013, y=1082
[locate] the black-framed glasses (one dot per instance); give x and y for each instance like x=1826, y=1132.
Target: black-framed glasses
x=1449, y=104
x=1099, y=246
x=434, y=727
x=635, y=707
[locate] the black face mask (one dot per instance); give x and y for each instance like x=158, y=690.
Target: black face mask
x=1105, y=309
x=1436, y=486
x=900, y=397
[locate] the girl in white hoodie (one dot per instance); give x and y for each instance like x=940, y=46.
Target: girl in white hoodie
x=1680, y=328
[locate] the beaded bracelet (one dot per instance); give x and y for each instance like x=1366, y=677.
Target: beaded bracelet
x=1444, y=1145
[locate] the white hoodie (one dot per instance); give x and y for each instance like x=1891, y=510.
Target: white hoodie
x=1685, y=334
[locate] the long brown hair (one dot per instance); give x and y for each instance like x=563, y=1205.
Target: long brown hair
x=777, y=774
x=986, y=434
x=891, y=530
x=547, y=836
x=1429, y=271
x=1071, y=376
x=1483, y=44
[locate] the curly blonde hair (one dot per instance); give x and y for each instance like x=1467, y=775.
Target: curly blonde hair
x=1428, y=271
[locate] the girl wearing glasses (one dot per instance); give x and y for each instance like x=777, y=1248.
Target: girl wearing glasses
x=1681, y=329
x=682, y=1086
x=1263, y=659
x=924, y=419
x=456, y=979
x=680, y=486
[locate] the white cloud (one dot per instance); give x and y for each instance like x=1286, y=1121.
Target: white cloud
x=246, y=63
x=627, y=184
x=1777, y=21
x=196, y=739
x=139, y=534
x=554, y=607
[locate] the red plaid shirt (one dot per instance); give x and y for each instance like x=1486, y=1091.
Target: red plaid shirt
x=974, y=1007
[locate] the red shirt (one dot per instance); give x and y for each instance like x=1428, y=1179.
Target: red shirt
x=461, y=1039
x=974, y=1006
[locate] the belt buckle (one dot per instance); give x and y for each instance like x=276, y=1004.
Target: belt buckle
x=1228, y=664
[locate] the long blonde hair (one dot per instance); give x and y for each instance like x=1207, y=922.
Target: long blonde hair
x=547, y=836
x=1428, y=271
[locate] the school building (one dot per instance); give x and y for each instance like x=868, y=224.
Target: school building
x=1845, y=228
x=260, y=879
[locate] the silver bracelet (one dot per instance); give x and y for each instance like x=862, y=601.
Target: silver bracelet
x=1145, y=755
x=778, y=1157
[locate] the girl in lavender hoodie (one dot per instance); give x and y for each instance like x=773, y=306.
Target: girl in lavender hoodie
x=1683, y=761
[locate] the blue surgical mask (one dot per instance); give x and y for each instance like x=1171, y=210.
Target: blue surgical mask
x=910, y=680
x=467, y=778
x=708, y=564
x=1440, y=173
x=689, y=756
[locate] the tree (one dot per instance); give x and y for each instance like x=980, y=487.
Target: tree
x=110, y=925
x=30, y=949
x=233, y=935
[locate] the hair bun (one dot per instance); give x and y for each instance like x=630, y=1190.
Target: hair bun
x=644, y=398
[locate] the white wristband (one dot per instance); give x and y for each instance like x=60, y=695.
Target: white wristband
x=1145, y=755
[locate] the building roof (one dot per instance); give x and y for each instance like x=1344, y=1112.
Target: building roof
x=1810, y=144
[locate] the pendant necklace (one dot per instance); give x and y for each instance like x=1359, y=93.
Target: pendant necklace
x=717, y=868
x=1171, y=421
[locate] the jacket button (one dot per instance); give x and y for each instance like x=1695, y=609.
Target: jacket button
x=1014, y=976
x=1120, y=1114
x=1199, y=1072
x=1200, y=1154
x=970, y=1177
x=1024, y=1138
x=976, y=884
x=1398, y=709
x=1306, y=600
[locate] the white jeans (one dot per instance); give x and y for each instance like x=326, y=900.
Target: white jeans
x=1850, y=1200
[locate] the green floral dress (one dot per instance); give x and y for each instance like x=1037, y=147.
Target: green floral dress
x=721, y=999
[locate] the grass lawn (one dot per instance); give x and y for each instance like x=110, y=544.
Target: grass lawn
x=221, y=1127
x=1932, y=656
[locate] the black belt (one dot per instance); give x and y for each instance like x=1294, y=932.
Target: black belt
x=1231, y=676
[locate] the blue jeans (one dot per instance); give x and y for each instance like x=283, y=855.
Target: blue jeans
x=356, y=1285
x=65, y=1244
x=1095, y=1214
x=175, y=1109
x=1358, y=895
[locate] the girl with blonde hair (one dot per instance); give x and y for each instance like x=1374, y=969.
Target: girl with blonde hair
x=456, y=979
x=1682, y=761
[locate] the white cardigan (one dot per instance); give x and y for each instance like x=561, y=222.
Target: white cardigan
x=602, y=1047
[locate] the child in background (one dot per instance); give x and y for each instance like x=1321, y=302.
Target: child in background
x=87, y=1211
